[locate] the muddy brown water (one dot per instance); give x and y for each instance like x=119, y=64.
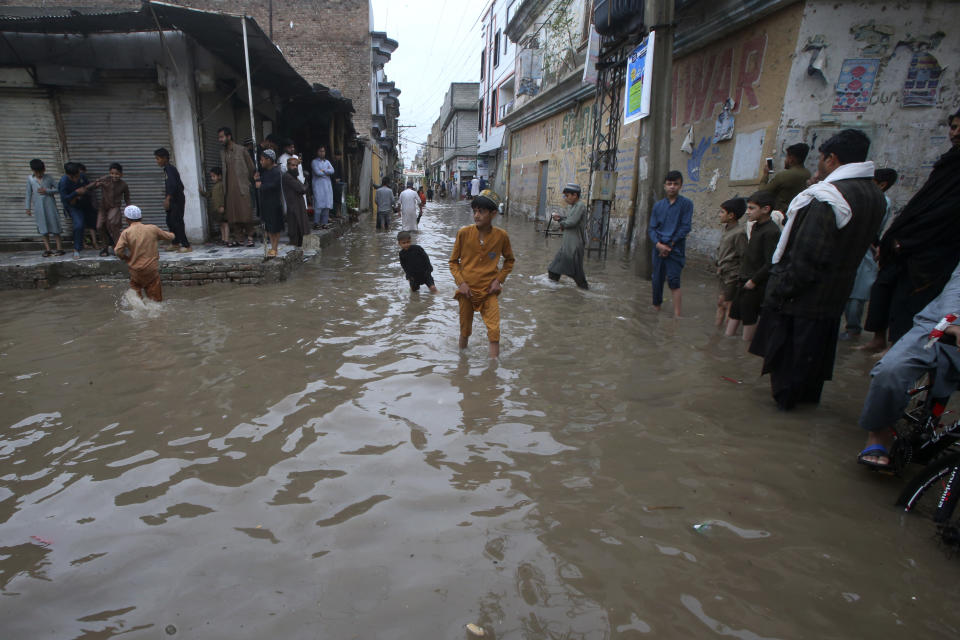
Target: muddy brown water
x=315, y=459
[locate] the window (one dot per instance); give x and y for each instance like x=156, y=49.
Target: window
x=496, y=49
x=494, y=116
x=483, y=62
x=587, y=20
x=481, y=115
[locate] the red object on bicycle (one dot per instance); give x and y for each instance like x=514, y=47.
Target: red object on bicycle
x=940, y=329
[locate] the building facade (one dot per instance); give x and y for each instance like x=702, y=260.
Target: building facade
x=497, y=92
x=459, y=120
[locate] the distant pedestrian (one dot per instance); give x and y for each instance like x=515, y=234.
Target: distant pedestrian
x=733, y=244
x=670, y=223
x=41, y=203
x=71, y=190
x=322, y=188
x=385, y=201
x=829, y=227
x=415, y=263
x=409, y=204
x=867, y=271
x=474, y=263
x=474, y=187
x=271, y=199
x=114, y=195
x=174, y=201
x=239, y=172
x=786, y=184
x=298, y=224
x=754, y=266
x=423, y=202
x=430, y=194
x=216, y=204
x=569, y=259
x=920, y=248
x=137, y=246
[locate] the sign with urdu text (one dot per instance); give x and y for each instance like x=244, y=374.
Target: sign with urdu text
x=639, y=81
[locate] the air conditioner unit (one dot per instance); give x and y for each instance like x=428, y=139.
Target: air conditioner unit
x=618, y=17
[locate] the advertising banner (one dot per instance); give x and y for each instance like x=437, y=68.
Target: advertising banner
x=639, y=79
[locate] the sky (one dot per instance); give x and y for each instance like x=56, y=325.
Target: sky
x=438, y=43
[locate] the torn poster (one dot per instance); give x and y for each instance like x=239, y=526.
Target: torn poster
x=687, y=145
x=855, y=85
x=923, y=81
x=723, y=130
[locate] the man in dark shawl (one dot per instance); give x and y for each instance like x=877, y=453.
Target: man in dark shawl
x=569, y=259
x=920, y=249
x=829, y=227
x=293, y=190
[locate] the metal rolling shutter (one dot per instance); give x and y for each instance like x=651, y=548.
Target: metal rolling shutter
x=215, y=113
x=121, y=122
x=28, y=130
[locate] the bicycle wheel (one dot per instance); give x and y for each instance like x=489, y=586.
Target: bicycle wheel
x=933, y=495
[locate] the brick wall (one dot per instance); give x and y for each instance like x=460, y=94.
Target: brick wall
x=329, y=42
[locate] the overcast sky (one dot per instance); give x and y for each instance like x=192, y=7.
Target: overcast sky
x=439, y=43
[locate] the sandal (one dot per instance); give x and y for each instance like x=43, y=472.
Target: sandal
x=875, y=451
x=104, y=252
x=47, y=254
x=233, y=243
x=250, y=243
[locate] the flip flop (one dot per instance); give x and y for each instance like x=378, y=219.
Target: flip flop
x=47, y=254
x=875, y=450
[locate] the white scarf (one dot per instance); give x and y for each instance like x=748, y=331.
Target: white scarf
x=826, y=193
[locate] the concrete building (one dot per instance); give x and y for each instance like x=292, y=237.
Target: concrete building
x=108, y=87
x=459, y=120
x=385, y=134
x=793, y=70
x=436, y=166
x=497, y=92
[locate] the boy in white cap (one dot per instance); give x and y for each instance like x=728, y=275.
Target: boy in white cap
x=137, y=247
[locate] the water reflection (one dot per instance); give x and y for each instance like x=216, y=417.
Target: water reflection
x=316, y=459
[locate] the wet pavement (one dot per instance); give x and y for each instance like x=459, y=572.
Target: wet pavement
x=315, y=459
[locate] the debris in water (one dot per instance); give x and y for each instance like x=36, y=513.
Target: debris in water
x=476, y=630
x=662, y=507
x=42, y=541
x=733, y=380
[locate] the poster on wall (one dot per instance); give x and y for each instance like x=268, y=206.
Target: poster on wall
x=639, y=79
x=923, y=81
x=855, y=85
x=593, y=54
x=747, y=155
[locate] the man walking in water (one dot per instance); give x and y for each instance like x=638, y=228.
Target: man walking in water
x=670, y=223
x=569, y=260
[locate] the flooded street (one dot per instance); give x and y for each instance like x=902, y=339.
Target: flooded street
x=315, y=459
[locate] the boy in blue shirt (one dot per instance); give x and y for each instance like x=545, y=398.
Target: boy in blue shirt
x=669, y=225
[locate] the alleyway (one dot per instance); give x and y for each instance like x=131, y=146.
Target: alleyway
x=314, y=459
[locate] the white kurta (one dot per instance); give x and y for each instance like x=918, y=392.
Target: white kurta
x=322, y=187
x=409, y=203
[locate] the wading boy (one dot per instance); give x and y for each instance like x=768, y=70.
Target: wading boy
x=474, y=265
x=137, y=247
x=415, y=262
x=733, y=243
x=670, y=223
x=754, y=266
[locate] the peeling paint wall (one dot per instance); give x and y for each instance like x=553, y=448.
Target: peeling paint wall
x=904, y=41
x=564, y=141
x=751, y=68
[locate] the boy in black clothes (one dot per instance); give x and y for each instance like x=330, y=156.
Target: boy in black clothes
x=415, y=262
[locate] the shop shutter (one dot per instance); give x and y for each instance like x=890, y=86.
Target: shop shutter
x=28, y=130
x=121, y=122
x=216, y=111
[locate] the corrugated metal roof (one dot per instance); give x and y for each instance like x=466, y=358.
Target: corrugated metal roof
x=220, y=33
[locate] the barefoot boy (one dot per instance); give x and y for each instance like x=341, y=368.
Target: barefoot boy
x=415, y=262
x=733, y=243
x=137, y=246
x=754, y=266
x=474, y=265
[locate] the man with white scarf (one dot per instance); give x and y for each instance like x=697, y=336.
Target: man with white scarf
x=828, y=228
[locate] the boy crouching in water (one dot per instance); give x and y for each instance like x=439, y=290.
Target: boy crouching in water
x=474, y=265
x=415, y=262
x=137, y=247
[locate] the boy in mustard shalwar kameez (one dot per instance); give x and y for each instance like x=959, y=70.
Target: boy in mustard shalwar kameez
x=474, y=265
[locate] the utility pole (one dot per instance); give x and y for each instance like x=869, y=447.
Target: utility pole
x=658, y=14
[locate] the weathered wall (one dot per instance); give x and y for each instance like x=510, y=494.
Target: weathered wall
x=564, y=141
x=328, y=43
x=908, y=139
x=751, y=68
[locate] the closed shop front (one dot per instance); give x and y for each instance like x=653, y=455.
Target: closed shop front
x=28, y=130
x=120, y=122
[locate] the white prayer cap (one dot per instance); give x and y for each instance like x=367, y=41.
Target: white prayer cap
x=132, y=212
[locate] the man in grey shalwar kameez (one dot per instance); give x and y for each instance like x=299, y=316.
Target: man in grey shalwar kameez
x=569, y=260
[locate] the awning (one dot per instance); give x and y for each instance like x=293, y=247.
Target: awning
x=219, y=33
